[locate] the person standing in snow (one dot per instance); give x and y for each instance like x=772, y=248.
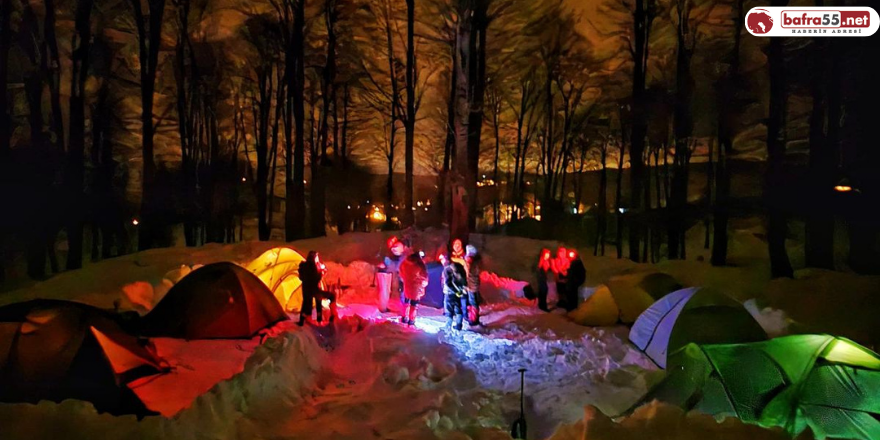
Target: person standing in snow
x=392, y=265
x=474, y=269
x=414, y=274
x=458, y=253
x=543, y=274
x=560, y=266
x=577, y=274
x=454, y=280
x=311, y=272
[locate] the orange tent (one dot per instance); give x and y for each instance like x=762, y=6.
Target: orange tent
x=56, y=350
x=220, y=300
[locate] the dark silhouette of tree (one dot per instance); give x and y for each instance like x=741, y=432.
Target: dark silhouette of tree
x=149, y=38
x=824, y=154
x=777, y=228
x=75, y=175
x=727, y=104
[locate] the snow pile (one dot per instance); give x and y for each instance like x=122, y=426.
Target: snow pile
x=660, y=421
x=494, y=288
x=775, y=322
x=272, y=383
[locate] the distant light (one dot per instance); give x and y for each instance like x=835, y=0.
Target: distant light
x=843, y=188
x=419, y=203
x=426, y=208
x=135, y=221
x=574, y=210
x=244, y=179
x=349, y=206
x=622, y=210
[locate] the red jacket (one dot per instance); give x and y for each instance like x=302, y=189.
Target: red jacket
x=415, y=277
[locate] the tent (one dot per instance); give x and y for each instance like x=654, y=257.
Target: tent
x=695, y=314
x=220, y=300
x=278, y=268
x=599, y=309
x=56, y=350
x=826, y=383
x=634, y=293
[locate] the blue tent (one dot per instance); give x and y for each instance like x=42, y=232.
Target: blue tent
x=434, y=292
x=696, y=314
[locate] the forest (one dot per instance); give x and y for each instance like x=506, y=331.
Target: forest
x=122, y=119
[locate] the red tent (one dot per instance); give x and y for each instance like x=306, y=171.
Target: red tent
x=217, y=301
x=56, y=350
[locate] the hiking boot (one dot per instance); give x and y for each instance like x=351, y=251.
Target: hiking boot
x=411, y=322
x=301, y=322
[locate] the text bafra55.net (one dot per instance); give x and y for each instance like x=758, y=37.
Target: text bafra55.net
x=812, y=21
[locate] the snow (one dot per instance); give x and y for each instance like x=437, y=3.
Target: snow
x=368, y=376
x=657, y=421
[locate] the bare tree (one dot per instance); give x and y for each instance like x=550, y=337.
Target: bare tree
x=149, y=37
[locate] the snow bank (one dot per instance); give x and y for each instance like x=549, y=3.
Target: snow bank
x=660, y=421
x=272, y=382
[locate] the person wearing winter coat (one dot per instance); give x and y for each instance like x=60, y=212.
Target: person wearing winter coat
x=543, y=275
x=560, y=266
x=454, y=280
x=414, y=274
x=311, y=272
x=391, y=265
x=474, y=269
x=577, y=274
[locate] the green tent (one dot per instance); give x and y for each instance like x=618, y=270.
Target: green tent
x=826, y=383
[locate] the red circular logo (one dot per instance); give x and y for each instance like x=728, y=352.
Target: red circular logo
x=758, y=21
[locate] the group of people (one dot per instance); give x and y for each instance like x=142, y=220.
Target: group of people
x=460, y=279
x=311, y=274
x=462, y=268
x=567, y=270
x=461, y=285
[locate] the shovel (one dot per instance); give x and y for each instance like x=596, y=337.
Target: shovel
x=518, y=429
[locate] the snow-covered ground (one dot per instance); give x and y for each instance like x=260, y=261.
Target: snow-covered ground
x=369, y=377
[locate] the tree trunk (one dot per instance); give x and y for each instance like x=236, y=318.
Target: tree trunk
x=149, y=32
x=601, y=216
x=477, y=87
x=819, y=237
x=459, y=225
x=682, y=128
x=725, y=146
x=294, y=224
x=780, y=266
x=496, y=109
x=410, y=117
x=328, y=96
x=76, y=153
x=617, y=199
x=346, y=104
x=5, y=121
x=53, y=76
x=449, y=147
x=642, y=19
x=394, y=104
